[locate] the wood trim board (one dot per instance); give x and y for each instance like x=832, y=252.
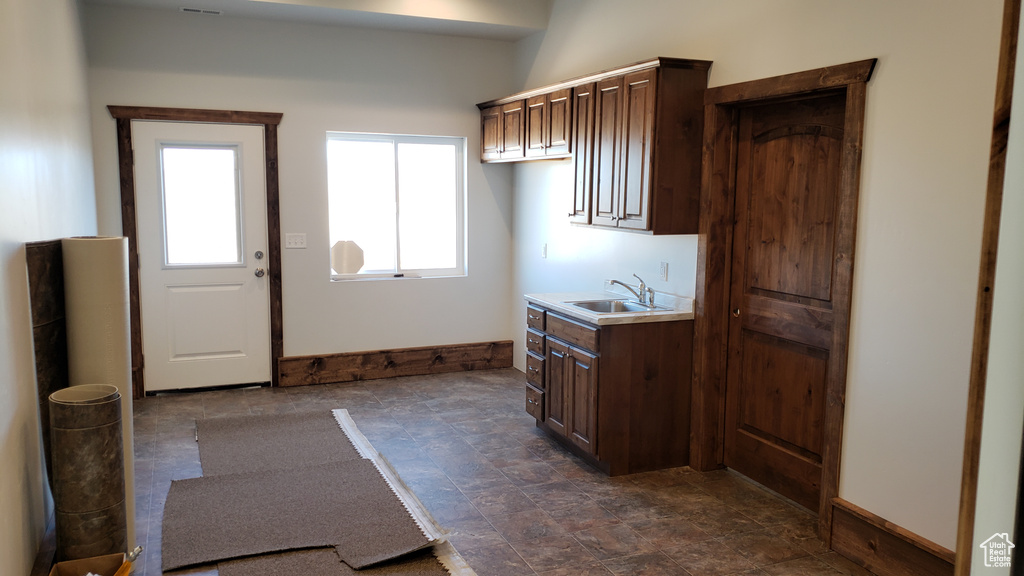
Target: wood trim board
x=883, y=547
x=714, y=250
x=986, y=283
x=129, y=227
x=598, y=76
x=794, y=84
x=194, y=115
x=354, y=366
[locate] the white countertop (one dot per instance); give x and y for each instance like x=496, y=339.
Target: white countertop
x=677, y=307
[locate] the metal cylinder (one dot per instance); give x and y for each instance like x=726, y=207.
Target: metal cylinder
x=88, y=471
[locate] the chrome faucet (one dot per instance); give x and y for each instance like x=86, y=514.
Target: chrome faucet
x=644, y=295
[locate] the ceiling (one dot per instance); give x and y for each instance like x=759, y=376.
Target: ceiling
x=508, y=20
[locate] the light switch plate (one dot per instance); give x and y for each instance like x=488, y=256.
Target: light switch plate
x=295, y=240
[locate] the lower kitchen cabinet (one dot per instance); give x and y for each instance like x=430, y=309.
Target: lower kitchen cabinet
x=572, y=383
x=617, y=395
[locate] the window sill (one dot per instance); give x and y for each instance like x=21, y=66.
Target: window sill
x=369, y=278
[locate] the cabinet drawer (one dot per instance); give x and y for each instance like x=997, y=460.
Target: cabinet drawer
x=535, y=341
x=535, y=370
x=582, y=335
x=534, y=402
x=535, y=317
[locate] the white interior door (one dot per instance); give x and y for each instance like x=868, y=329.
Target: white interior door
x=200, y=194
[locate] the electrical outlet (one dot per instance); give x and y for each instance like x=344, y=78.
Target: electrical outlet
x=663, y=271
x=297, y=240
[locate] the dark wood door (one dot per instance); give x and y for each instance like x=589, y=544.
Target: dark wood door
x=635, y=162
x=582, y=388
x=607, y=124
x=558, y=365
x=781, y=292
x=583, y=151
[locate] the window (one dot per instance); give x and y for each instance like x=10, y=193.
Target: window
x=396, y=205
x=200, y=205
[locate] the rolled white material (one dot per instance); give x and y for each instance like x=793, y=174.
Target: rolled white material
x=99, y=332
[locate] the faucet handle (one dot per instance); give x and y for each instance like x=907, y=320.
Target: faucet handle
x=642, y=289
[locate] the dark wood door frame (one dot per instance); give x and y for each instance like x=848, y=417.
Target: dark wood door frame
x=985, y=290
x=126, y=162
x=714, y=253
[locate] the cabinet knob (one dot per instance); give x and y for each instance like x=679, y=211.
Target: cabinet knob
x=571, y=214
x=736, y=313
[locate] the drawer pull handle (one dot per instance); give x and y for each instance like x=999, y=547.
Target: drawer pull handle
x=532, y=369
x=532, y=317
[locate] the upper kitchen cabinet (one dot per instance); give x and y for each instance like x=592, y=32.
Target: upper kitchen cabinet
x=548, y=124
x=503, y=132
x=646, y=148
x=582, y=141
x=635, y=135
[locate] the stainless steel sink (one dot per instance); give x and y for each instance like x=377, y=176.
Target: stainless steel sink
x=614, y=306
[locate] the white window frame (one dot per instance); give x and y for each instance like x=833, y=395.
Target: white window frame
x=460, y=206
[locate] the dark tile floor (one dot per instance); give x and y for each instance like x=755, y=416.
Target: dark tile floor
x=514, y=501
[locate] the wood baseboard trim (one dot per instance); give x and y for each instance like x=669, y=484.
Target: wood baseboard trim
x=883, y=547
x=352, y=366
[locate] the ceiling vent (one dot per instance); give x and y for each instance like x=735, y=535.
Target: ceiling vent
x=201, y=11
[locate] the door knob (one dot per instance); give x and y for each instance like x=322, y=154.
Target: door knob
x=260, y=272
x=736, y=313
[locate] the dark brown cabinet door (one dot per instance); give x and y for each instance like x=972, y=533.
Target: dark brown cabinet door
x=635, y=152
x=548, y=123
x=559, y=122
x=607, y=125
x=513, y=126
x=583, y=151
x=559, y=367
x=490, y=133
x=582, y=387
x=780, y=335
x=537, y=125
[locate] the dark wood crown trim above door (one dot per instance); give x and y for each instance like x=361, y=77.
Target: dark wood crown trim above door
x=714, y=254
x=124, y=115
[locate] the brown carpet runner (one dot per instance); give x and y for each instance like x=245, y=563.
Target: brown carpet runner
x=342, y=504
x=325, y=562
x=298, y=494
x=251, y=443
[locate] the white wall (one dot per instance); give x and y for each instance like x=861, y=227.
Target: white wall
x=1000, y=457
x=929, y=110
x=324, y=78
x=46, y=192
